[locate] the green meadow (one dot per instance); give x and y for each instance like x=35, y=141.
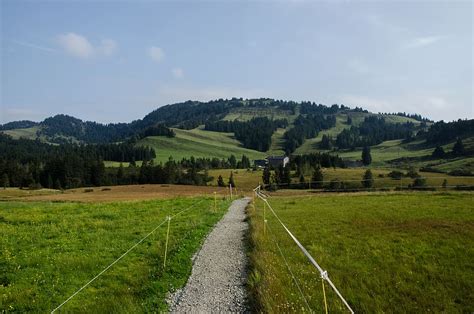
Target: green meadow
x=50, y=250
x=397, y=253
x=198, y=143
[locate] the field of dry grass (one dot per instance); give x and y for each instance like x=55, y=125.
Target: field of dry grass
x=113, y=193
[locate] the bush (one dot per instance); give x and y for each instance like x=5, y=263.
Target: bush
x=397, y=175
x=367, y=179
x=419, y=182
x=412, y=173
x=88, y=190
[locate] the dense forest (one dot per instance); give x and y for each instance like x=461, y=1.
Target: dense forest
x=254, y=134
x=306, y=127
x=442, y=132
x=372, y=131
x=61, y=128
x=28, y=163
x=157, y=130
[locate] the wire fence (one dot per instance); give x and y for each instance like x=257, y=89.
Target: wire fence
x=323, y=273
x=167, y=219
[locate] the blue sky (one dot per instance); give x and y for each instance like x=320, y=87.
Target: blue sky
x=115, y=61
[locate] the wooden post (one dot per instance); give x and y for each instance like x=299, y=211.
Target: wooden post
x=230, y=188
x=215, y=201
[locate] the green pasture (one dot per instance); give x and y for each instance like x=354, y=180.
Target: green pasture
x=50, y=250
x=386, y=253
x=198, y=143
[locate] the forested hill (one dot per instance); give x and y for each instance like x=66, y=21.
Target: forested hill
x=258, y=128
x=187, y=115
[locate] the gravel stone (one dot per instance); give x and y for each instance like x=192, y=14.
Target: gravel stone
x=217, y=281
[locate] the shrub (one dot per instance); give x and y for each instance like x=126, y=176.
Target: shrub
x=397, y=175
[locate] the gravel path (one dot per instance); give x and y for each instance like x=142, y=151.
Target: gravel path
x=219, y=272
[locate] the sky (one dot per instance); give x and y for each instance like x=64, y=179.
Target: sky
x=115, y=61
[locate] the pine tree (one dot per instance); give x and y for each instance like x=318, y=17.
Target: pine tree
x=317, y=178
x=220, y=181
x=266, y=175
x=458, y=149
x=232, y=161
x=50, y=182
x=5, y=181
x=120, y=174
x=366, y=157
x=438, y=152
x=368, y=179
x=231, y=180
x=286, y=175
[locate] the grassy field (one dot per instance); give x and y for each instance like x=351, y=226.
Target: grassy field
x=245, y=114
x=110, y=193
x=28, y=133
x=402, y=253
x=49, y=250
x=198, y=143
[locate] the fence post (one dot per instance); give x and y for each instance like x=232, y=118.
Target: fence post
x=230, y=189
x=215, y=201
x=167, y=237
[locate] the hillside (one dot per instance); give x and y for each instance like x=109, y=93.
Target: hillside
x=397, y=140
x=197, y=143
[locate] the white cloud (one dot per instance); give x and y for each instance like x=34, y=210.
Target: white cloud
x=177, y=73
x=422, y=41
x=76, y=45
x=156, y=53
x=79, y=46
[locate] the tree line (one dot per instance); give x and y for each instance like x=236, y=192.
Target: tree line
x=253, y=134
x=306, y=127
x=442, y=132
x=373, y=131
x=31, y=163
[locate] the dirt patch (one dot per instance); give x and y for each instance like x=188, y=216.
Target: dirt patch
x=127, y=193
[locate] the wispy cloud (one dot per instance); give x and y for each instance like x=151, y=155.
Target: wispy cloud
x=156, y=53
x=34, y=46
x=79, y=46
x=422, y=41
x=177, y=73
